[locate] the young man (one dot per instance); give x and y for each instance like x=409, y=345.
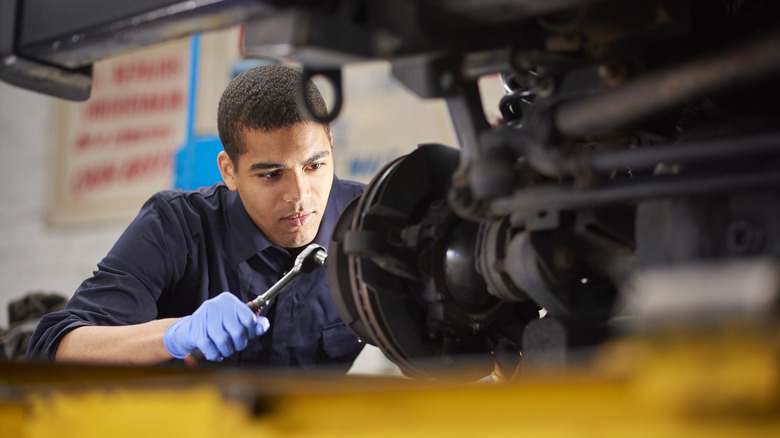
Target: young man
x=179, y=277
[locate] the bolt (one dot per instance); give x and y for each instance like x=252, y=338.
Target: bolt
x=543, y=86
x=563, y=259
x=613, y=74
x=745, y=237
x=446, y=80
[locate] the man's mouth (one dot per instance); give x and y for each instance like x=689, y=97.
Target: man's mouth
x=298, y=219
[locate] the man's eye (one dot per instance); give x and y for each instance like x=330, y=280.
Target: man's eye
x=269, y=175
x=315, y=166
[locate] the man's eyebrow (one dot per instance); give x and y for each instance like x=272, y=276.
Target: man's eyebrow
x=317, y=156
x=269, y=166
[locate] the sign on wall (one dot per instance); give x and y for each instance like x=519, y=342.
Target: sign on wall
x=116, y=149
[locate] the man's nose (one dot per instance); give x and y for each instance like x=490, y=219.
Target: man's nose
x=297, y=188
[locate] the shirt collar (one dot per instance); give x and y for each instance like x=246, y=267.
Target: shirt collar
x=246, y=239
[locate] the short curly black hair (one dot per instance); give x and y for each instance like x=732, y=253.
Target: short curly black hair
x=263, y=98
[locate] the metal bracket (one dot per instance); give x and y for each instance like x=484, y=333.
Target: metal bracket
x=334, y=77
x=32, y=75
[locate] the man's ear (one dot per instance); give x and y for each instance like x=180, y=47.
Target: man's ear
x=227, y=170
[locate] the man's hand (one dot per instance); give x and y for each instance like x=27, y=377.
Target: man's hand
x=220, y=327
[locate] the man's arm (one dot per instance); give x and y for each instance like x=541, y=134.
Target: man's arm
x=140, y=344
x=219, y=327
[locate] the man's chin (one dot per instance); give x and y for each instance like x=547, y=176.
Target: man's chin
x=297, y=239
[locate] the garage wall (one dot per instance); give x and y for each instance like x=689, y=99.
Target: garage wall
x=34, y=256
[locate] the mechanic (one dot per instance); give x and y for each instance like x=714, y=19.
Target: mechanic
x=179, y=276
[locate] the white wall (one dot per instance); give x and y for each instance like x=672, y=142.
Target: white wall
x=33, y=256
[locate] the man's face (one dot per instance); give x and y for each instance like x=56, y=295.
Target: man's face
x=284, y=181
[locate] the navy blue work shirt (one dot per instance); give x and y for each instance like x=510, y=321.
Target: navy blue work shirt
x=185, y=247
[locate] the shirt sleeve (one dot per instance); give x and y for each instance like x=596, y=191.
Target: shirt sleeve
x=143, y=264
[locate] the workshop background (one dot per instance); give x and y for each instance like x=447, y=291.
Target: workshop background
x=73, y=175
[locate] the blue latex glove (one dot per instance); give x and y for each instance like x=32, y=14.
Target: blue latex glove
x=220, y=327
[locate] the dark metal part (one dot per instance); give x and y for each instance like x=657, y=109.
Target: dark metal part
x=462, y=276
x=49, y=46
x=725, y=226
x=755, y=142
x=106, y=29
x=333, y=76
x=339, y=274
x=724, y=149
x=468, y=119
x=16, y=69
x=524, y=268
x=429, y=75
x=318, y=38
x=428, y=287
x=44, y=20
x=469, y=122
x=479, y=64
x=518, y=96
x=563, y=197
x=496, y=11
x=428, y=316
x=491, y=260
x=657, y=92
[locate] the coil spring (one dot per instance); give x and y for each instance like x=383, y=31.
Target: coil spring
x=518, y=97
